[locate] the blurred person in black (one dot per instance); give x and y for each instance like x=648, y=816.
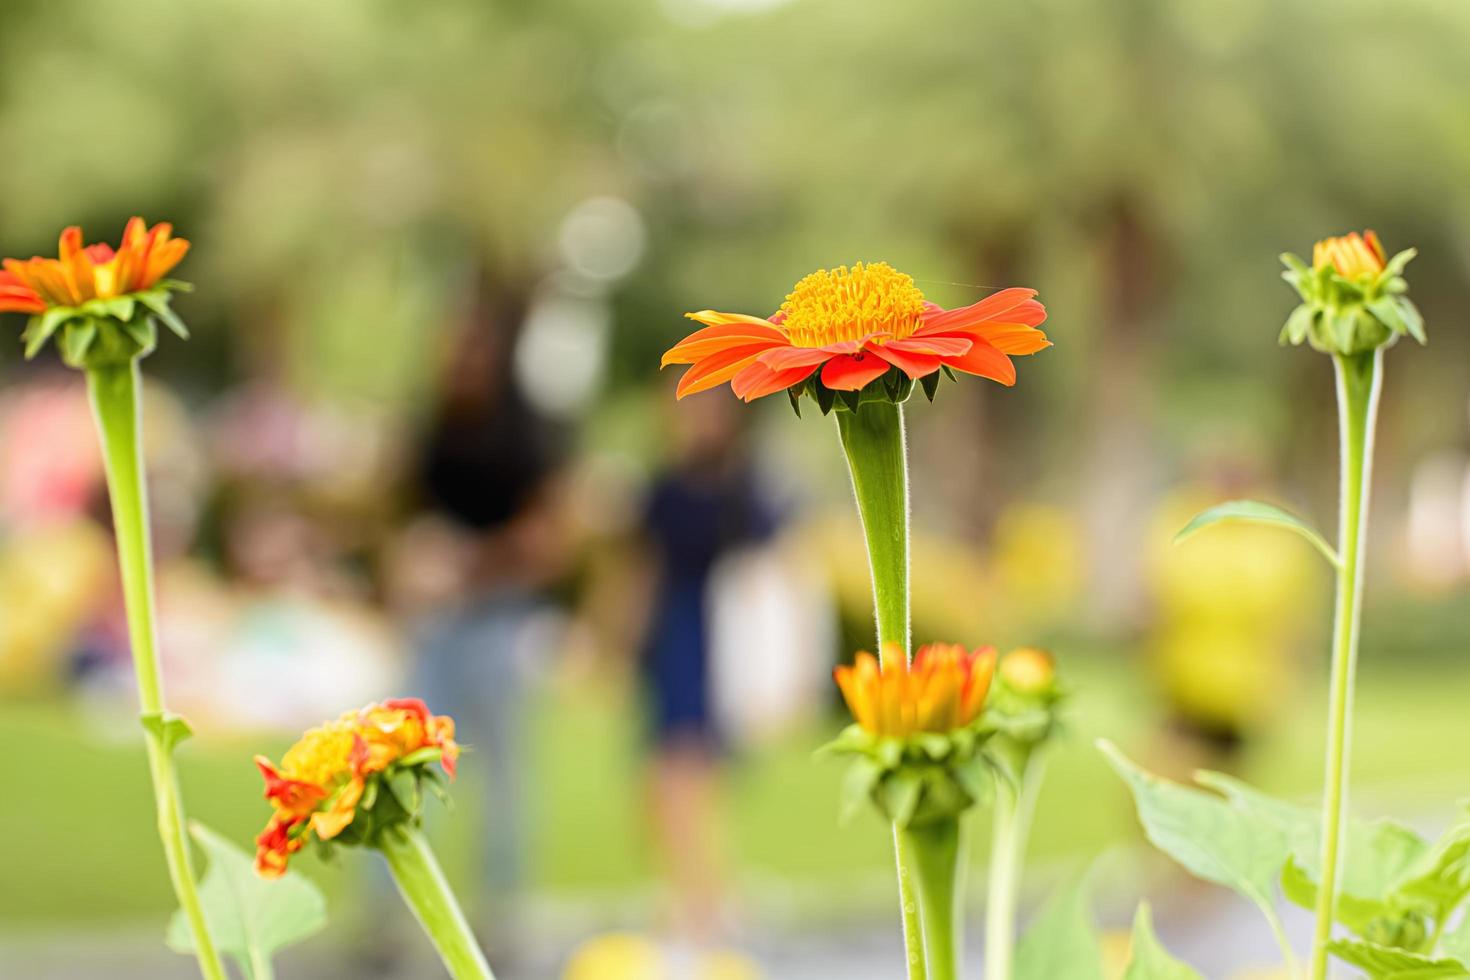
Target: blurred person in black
x=471, y=573
x=703, y=506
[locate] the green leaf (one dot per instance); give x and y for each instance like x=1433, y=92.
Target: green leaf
x=1456, y=942
x=249, y=917
x=1149, y=960
x=1380, y=854
x=168, y=728
x=1061, y=941
x=1358, y=914
x=1255, y=512
x=1442, y=878
x=1211, y=838
x=1385, y=963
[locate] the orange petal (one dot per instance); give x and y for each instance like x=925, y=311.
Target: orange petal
x=716, y=369
x=849, y=372
x=914, y=365
x=989, y=308
x=757, y=381
x=723, y=330
x=987, y=362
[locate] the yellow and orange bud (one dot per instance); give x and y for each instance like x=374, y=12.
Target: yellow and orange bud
x=1354, y=256
x=943, y=690
x=322, y=778
x=1030, y=671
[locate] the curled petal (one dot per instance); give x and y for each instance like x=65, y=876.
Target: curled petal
x=722, y=331
x=989, y=308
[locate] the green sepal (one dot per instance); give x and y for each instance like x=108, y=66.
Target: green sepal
x=915, y=780
x=826, y=397
x=76, y=339
x=1350, y=316
x=794, y=393
x=110, y=330
x=157, y=300
x=949, y=372
x=41, y=326
x=170, y=729
x=930, y=383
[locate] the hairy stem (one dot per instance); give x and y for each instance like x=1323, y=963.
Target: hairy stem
x=422, y=884
x=116, y=404
x=873, y=441
x=1359, y=379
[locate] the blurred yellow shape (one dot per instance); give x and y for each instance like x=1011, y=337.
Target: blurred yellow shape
x=628, y=956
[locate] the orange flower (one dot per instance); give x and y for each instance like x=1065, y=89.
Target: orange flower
x=81, y=273
x=1354, y=256
x=854, y=324
x=941, y=691
x=322, y=777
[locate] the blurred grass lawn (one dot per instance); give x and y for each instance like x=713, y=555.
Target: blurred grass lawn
x=80, y=849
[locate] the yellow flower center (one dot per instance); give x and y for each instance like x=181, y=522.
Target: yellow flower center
x=322, y=754
x=828, y=307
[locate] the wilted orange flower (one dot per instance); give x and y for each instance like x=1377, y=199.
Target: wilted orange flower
x=941, y=691
x=854, y=324
x=1354, y=256
x=80, y=273
x=321, y=778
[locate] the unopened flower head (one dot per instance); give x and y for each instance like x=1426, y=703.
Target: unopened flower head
x=1353, y=296
x=843, y=329
x=1029, y=671
x=102, y=301
x=943, y=690
x=335, y=776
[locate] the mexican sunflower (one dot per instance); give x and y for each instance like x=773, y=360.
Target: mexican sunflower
x=323, y=777
x=85, y=272
x=853, y=325
x=943, y=690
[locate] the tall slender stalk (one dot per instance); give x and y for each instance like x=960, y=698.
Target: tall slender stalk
x=1014, y=807
x=938, y=849
x=873, y=441
x=114, y=391
x=1359, y=379
x=422, y=884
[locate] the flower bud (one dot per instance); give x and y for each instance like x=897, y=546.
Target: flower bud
x=1353, y=298
x=1029, y=671
x=918, y=732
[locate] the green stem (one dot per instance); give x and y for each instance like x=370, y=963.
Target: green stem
x=937, y=861
x=116, y=404
x=1359, y=379
x=423, y=887
x=872, y=438
x=873, y=441
x=1010, y=831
